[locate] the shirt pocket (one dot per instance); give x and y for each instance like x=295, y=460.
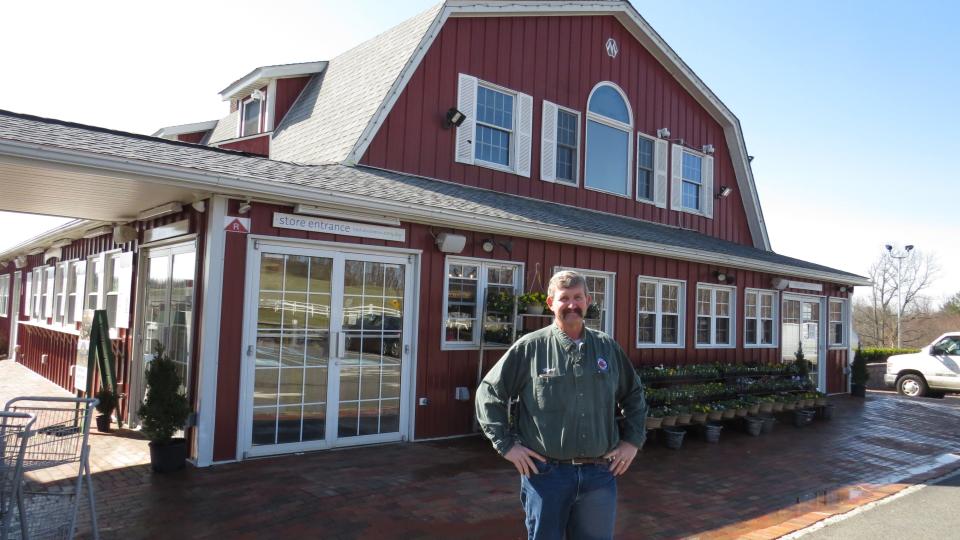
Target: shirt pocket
x=548, y=393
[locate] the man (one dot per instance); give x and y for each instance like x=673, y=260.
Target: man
x=566, y=444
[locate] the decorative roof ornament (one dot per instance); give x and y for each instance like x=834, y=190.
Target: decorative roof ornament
x=612, y=48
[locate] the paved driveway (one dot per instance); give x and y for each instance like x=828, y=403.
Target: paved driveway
x=742, y=487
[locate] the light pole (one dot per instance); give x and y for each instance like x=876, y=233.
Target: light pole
x=899, y=256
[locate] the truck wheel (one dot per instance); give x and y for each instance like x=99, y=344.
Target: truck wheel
x=912, y=385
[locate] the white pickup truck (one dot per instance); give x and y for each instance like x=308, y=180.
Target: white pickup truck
x=932, y=371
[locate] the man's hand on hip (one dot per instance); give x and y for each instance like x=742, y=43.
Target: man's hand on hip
x=621, y=457
x=522, y=458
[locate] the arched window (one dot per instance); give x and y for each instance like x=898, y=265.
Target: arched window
x=609, y=128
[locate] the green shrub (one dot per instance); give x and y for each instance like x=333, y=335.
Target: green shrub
x=872, y=355
x=859, y=374
x=165, y=409
x=107, y=401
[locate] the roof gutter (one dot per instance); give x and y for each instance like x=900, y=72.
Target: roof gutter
x=251, y=186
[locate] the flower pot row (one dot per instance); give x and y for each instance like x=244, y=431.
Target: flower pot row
x=699, y=413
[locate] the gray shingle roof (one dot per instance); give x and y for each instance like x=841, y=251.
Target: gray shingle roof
x=332, y=111
x=376, y=185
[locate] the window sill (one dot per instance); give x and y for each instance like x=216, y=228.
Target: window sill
x=838, y=347
x=52, y=327
x=494, y=166
x=771, y=346
x=659, y=346
x=709, y=346
x=472, y=347
x=598, y=190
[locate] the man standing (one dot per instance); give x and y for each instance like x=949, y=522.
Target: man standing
x=571, y=382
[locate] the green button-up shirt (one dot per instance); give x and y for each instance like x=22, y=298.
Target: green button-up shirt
x=569, y=396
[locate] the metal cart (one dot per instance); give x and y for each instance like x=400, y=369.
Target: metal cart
x=59, y=443
x=15, y=432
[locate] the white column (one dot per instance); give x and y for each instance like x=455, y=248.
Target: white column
x=210, y=328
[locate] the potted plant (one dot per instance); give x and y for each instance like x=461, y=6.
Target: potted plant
x=669, y=416
x=700, y=412
x=163, y=413
x=654, y=418
x=859, y=375
x=684, y=414
x=500, y=302
x=534, y=303
x=716, y=411
x=107, y=403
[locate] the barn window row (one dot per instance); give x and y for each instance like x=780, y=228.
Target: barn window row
x=617, y=159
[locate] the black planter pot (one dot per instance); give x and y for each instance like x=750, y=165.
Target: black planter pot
x=170, y=457
x=858, y=390
x=103, y=423
x=711, y=431
x=754, y=425
x=674, y=437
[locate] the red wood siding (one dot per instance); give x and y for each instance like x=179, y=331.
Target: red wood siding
x=255, y=145
x=439, y=372
x=288, y=90
x=559, y=59
x=194, y=138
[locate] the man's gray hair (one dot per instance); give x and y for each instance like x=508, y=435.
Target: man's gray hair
x=567, y=279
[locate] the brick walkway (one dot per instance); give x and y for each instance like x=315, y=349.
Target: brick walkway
x=744, y=487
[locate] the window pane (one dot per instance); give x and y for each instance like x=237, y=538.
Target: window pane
x=607, y=150
x=723, y=331
x=608, y=102
x=251, y=118
x=722, y=303
x=565, y=164
x=766, y=306
x=750, y=328
x=767, y=337
x=495, y=108
x=703, y=301
x=691, y=196
x=670, y=298
x=703, y=330
x=492, y=145
x=669, y=332
x=646, y=328
x=461, y=302
x=648, y=297
x=566, y=128
x=750, y=304
x=691, y=168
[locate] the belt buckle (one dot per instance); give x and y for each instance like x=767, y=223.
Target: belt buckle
x=574, y=461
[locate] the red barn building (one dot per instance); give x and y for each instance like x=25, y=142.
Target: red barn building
x=327, y=261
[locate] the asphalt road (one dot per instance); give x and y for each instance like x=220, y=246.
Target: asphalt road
x=932, y=512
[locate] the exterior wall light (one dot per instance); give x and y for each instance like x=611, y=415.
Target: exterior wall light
x=451, y=243
x=724, y=192
x=708, y=149
x=663, y=133
x=487, y=245
x=723, y=277
x=454, y=118
x=244, y=208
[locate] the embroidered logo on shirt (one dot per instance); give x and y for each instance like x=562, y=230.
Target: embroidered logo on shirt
x=601, y=364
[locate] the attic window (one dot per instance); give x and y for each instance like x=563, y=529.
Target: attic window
x=251, y=117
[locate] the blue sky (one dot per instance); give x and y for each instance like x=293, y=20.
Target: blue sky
x=849, y=107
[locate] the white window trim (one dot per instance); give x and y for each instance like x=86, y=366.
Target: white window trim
x=687, y=209
x=60, y=293
x=48, y=294
x=511, y=166
x=653, y=172
x=609, y=294
x=775, y=313
x=681, y=315
x=243, y=106
x=100, y=283
x=576, y=160
x=713, y=310
x=4, y=295
x=104, y=293
x=77, y=294
x=844, y=320
x=36, y=303
x=481, y=293
x=609, y=122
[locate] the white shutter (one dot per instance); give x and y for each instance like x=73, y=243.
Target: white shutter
x=676, y=182
x=467, y=104
x=524, y=133
x=125, y=271
x=707, y=179
x=81, y=298
x=661, y=151
x=50, y=290
x=548, y=142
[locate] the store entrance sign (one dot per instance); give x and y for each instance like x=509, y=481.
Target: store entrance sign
x=332, y=226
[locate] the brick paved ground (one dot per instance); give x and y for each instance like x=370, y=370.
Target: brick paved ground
x=743, y=487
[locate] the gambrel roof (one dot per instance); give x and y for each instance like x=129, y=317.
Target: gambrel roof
x=340, y=111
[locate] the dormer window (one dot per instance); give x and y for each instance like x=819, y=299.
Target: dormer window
x=250, y=114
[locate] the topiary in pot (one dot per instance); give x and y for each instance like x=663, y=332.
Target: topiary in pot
x=164, y=412
x=859, y=375
x=106, y=404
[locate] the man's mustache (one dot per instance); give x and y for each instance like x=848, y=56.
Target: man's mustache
x=576, y=310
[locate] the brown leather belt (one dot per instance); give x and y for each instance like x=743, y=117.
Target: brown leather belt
x=582, y=461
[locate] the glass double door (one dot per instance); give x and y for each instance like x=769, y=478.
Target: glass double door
x=326, y=349
x=801, y=332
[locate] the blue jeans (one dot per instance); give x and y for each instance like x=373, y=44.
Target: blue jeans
x=579, y=500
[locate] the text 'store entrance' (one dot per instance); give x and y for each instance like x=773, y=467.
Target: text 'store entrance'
x=326, y=350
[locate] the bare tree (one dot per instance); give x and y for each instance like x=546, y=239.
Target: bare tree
x=876, y=317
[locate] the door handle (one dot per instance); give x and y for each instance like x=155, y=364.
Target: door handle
x=249, y=350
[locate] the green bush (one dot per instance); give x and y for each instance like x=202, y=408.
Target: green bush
x=872, y=355
x=165, y=409
x=859, y=374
